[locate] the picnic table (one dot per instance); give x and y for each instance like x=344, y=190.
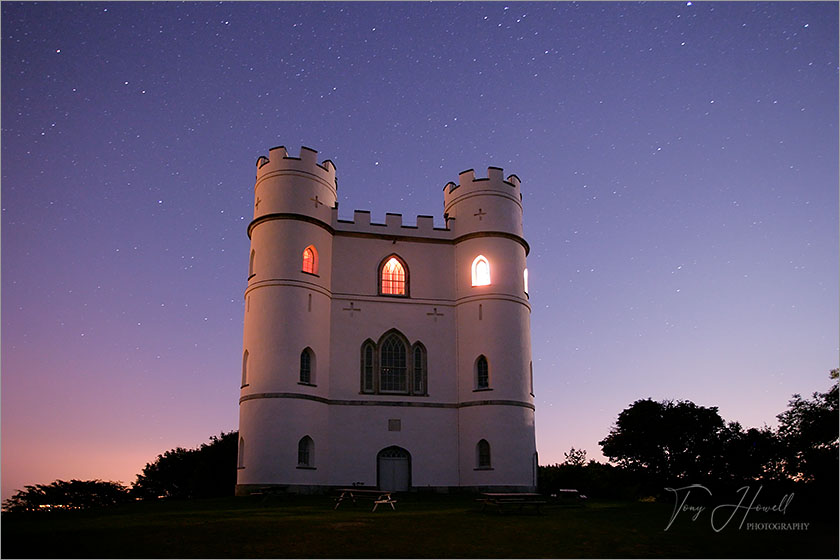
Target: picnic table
x=510, y=500
x=378, y=496
x=568, y=495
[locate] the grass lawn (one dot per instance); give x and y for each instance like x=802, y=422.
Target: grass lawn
x=422, y=526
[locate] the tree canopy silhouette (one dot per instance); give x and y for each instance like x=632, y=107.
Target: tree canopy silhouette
x=808, y=430
x=62, y=494
x=670, y=440
x=206, y=471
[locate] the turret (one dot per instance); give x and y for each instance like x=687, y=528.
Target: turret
x=496, y=416
x=294, y=184
x=485, y=204
x=286, y=342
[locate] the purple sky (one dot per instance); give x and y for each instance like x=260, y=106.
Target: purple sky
x=679, y=166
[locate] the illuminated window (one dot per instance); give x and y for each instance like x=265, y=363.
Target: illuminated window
x=245, y=368
x=392, y=365
x=306, y=452
x=393, y=278
x=480, y=271
x=307, y=366
x=482, y=452
x=251, y=263
x=310, y=260
x=525, y=277
x=482, y=373
x=240, y=461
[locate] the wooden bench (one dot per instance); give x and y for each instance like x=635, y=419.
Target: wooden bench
x=385, y=500
x=568, y=496
x=379, y=497
x=511, y=500
x=268, y=492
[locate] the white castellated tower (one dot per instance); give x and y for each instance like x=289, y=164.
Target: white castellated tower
x=385, y=355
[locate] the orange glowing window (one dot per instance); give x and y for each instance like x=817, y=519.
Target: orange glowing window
x=480, y=271
x=310, y=260
x=393, y=278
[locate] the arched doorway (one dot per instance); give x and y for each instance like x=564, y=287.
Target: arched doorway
x=393, y=469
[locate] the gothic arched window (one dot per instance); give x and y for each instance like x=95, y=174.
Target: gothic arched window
x=306, y=452
x=368, y=350
x=392, y=365
x=307, y=366
x=310, y=260
x=393, y=277
x=482, y=454
x=481, y=271
x=418, y=369
x=482, y=373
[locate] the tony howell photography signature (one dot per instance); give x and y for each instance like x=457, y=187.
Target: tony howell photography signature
x=721, y=515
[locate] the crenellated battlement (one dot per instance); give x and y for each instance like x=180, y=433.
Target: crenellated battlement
x=279, y=161
x=361, y=223
x=468, y=184
x=300, y=186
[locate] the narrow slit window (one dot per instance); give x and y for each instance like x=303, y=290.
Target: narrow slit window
x=306, y=366
x=419, y=373
x=480, y=271
x=251, y=262
x=525, y=278
x=482, y=373
x=245, y=368
x=531, y=369
x=367, y=368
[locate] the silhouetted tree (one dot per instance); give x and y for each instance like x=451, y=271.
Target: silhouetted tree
x=593, y=479
x=668, y=440
x=755, y=454
x=61, y=494
x=809, y=432
x=206, y=471
x=575, y=457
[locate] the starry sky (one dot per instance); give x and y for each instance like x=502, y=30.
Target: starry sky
x=679, y=166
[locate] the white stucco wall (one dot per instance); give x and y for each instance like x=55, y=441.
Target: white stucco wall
x=336, y=310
